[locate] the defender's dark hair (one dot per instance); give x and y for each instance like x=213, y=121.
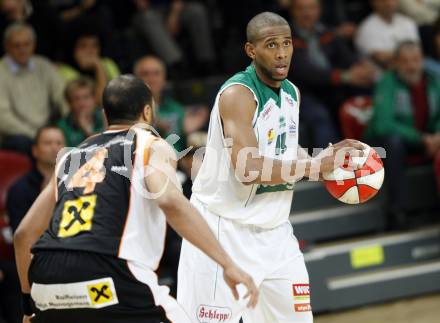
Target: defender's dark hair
x=260, y=21
x=124, y=99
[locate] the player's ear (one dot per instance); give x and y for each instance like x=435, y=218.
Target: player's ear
x=147, y=114
x=250, y=50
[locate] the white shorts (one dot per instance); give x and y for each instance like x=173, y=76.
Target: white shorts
x=271, y=256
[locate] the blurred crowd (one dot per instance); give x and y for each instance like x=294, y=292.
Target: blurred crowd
x=366, y=69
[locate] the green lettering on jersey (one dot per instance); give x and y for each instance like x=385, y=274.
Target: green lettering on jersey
x=274, y=188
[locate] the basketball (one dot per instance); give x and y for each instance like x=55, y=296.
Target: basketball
x=357, y=186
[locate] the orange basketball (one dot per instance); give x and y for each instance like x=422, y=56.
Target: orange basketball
x=357, y=186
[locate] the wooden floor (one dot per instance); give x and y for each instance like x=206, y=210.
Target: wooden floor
x=425, y=309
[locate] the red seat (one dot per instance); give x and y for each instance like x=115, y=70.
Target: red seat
x=12, y=167
x=354, y=116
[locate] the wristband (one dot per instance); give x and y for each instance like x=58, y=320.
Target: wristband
x=26, y=304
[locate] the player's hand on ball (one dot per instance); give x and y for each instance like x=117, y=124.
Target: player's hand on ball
x=234, y=276
x=339, y=154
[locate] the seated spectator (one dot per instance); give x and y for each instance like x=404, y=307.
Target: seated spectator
x=345, y=15
x=86, y=60
x=31, y=90
x=323, y=66
x=170, y=114
x=48, y=142
x=379, y=34
x=84, y=118
x=40, y=16
x=424, y=13
x=405, y=121
x=160, y=22
x=75, y=14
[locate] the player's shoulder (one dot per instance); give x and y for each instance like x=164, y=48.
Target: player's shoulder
x=292, y=89
x=244, y=78
x=162, y=148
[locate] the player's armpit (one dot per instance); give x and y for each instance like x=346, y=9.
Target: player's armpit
x=30, y=229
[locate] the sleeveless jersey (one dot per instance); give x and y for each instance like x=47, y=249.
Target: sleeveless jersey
x=275, y=125
x=101, y=205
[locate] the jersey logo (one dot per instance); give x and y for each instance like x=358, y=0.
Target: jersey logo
x=268, y=107
x=100, y=293
x=91, y=173
x=77, y=216
x=270, y=136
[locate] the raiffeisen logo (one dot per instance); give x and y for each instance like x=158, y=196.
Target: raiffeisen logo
x=213, y=314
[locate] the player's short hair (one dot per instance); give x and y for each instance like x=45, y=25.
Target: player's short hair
x=124, y=99
x=42, y=129
x=82, y=82
x=262, y=20
x=406, y=44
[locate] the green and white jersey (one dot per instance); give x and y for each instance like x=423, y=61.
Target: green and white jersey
x=275, y=125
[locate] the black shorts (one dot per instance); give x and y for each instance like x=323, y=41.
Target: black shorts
x=135, y=303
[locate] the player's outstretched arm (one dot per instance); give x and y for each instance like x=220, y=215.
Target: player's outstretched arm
x=162, y=184
x=237, y=108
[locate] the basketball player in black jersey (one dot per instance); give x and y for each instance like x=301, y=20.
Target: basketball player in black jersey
x=97, y=230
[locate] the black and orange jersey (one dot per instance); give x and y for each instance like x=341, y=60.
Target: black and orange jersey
x=102, y=202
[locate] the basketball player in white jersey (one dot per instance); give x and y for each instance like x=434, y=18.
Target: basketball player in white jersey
x=101, y=227
x=245, y=186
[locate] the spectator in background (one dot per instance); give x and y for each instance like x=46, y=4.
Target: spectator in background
x=160, y=22
x=84, y=118
x=345, y=15
x=31, y=90
x=323, y=67
x=21, y=195
x=39, y=15
x=86, y=60
x=379, y=34
x=405, y=121
x=48, y=142
x=424, y=13
x=170, y=114
x=75, y=14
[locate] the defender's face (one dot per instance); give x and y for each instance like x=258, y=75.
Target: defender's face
x=272, y=53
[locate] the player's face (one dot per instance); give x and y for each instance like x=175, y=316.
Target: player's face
x=272, y=53
x=49, y=144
